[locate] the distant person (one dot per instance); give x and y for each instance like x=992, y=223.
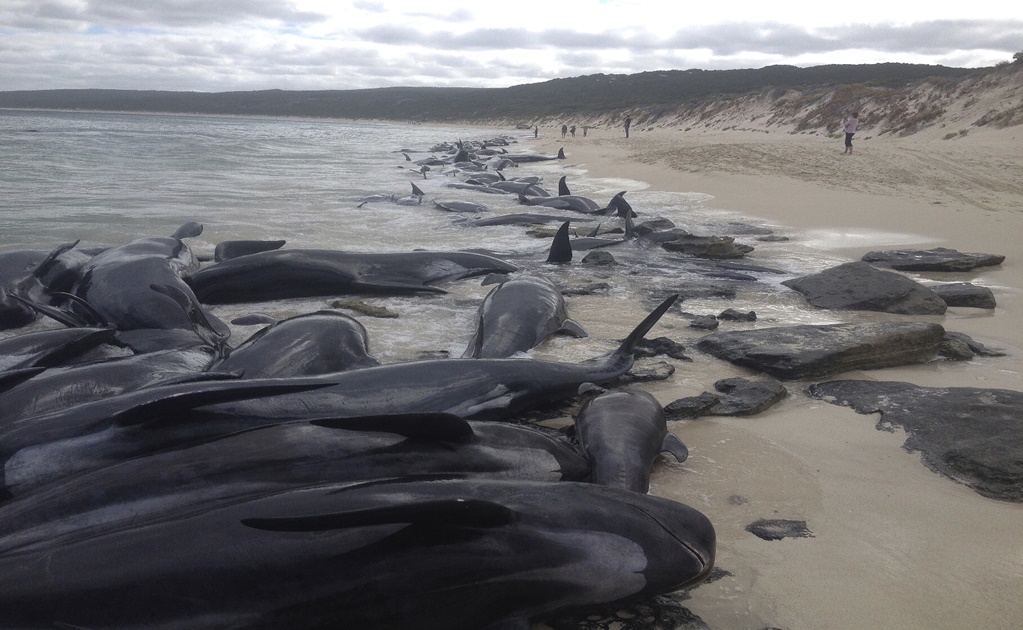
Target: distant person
x=585, y=129
x=536, y=131
x=850, y=123
x=628, y=123
x=572, y=130
x=564, y=130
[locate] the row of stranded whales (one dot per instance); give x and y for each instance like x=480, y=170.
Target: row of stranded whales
x=273, y=458
x=437, y=554
x=41, y=448
x=386, y=496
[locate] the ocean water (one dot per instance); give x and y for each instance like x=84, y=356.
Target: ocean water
x=107, y=178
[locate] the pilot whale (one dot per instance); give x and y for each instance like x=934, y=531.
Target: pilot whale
x=436, y=554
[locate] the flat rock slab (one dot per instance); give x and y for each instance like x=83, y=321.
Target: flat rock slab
x=965, y=294
x=818, y=351
x=972, y=435
x=859, y=286
x=708, y=247
x=743, y=397
x=937, y=259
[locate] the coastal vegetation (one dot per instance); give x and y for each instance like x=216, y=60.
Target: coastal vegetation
x=899, y=99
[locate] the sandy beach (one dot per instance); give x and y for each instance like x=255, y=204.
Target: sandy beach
x=894, y=545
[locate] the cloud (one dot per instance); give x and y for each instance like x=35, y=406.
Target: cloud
x=316, y=44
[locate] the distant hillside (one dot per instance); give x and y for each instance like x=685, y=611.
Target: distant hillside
x=803, y=97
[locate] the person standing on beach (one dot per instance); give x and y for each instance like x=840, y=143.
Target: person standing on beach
x=850, y=123
x=572, y=131
x=628, y=123
x=536, y=131
x=564, y=130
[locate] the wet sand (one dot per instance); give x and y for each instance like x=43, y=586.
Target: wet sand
x=894, y=545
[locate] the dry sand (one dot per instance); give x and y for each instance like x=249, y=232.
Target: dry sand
x=895, y=545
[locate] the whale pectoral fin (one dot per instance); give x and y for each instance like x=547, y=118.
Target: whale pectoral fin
x=473, y=513
x=571, y=327
x=441, y=427
x=675, y=446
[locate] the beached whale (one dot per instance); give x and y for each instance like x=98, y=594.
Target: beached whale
x=292, y=273
x=517, y=315
x=320, y=342
x=279, y=457
x=50, y=348
x=458, y=554
x=622, y=432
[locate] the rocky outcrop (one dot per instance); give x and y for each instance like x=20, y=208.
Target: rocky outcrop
x=965, y=294
x=708, y=246
x=937, y=259
x=860, y=286
x=972, y=435
x=817, y=351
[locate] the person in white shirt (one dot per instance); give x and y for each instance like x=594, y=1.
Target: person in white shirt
x=850, y=123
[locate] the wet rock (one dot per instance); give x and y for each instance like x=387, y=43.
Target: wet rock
x=364, y=308
x=645, y=371
x=647, y=348
x=663, y=612
x=653, y=225
x=773, y=238
x=955, y=349
x=976, y=347
x=698, y=291
x=971, y=435
x=702, y=322
x=691, y=406
x=965, y=294
x=860, y=286
x=708, y=246
x=776, y=529
x=732, y=315
x=817, y=351
x=599, y=258
x=744, y=397
x=592, y=288
x=937, y=259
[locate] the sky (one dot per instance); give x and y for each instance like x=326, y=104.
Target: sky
x=226, y=45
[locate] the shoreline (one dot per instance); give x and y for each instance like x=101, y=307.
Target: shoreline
x=894, y=544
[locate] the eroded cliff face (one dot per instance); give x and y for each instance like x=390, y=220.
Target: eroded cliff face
x=993, y=99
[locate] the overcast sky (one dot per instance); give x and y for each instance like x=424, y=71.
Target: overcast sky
x=219, y=45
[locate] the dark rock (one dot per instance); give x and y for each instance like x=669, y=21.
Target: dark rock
x=937, y=259
x=364, y=308
x=735, y=227
x=653, y=225
x=702, y=322
x=645, y=371
x=965, y=294
x=647, y=348
x=860, y=286
x=773, y=238
x=816, y=351
x=745, y=397
x=955, y=349
x=588, y=289
x=776, y=529
x=977, y=347
x=971, y=435
x=732, y=315
x=599, y=258
x=663, y=612
x=690, y=407
x=708, y=246
x=699, y=291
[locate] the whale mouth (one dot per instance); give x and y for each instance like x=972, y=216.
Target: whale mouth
x=700, y=547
